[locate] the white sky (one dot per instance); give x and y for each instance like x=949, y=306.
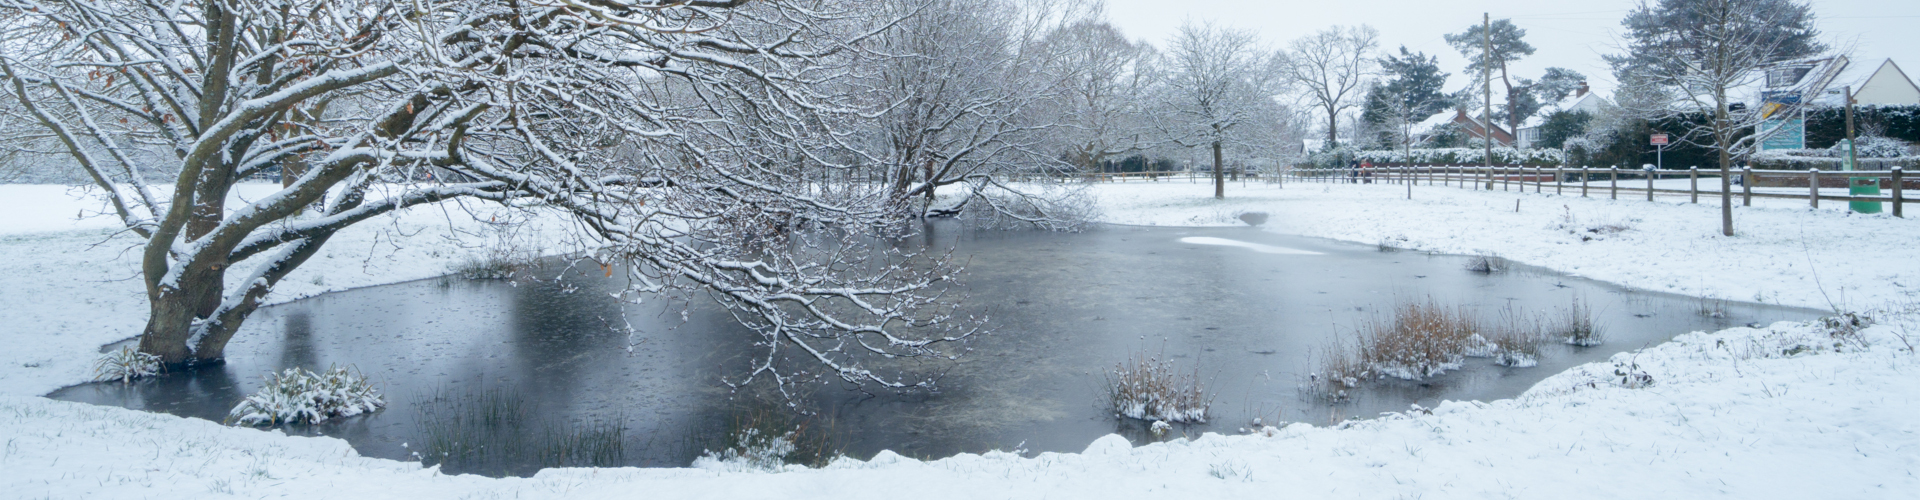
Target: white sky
x=1571, y=35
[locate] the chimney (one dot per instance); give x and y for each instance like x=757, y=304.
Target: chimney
x=1582, y=92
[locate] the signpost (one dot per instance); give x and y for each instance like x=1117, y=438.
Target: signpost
x=1659, y=155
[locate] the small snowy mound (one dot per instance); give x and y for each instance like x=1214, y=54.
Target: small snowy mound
x=301, y=396
x=1253, y=218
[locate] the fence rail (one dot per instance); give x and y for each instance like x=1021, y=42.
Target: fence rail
x=1559, y=179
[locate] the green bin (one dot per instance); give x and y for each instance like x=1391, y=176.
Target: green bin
x=1864, y=186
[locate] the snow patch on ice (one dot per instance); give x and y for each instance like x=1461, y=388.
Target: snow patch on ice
x=1208, y=240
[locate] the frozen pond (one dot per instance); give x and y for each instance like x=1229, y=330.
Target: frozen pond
x=517, y=376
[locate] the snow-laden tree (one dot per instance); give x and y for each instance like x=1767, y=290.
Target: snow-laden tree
x=1491, y=46
x=1218, y=80
x=1693, y=55
x=1104, y=83
x=1331, y=69
x=690, y=138
x=966, y=106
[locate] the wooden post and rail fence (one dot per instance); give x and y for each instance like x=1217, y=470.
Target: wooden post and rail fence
x=1561, y=180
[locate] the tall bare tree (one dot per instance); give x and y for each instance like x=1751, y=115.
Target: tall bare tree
x=1693, y=55
x=683, y=135
x=1104, y=83
x=1219, y=79
x=1331, y=68
x=967, y=104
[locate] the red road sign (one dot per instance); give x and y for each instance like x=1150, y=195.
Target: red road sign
x=1659, y=139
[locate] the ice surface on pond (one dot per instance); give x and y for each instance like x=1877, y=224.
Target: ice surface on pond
x=1208, y=240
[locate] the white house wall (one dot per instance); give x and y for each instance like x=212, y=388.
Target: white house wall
x=1889, y=86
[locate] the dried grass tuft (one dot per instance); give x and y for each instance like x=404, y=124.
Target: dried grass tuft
x=1149, y=388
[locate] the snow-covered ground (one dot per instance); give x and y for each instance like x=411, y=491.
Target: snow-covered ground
x=1782, y=251
x=1784, y=411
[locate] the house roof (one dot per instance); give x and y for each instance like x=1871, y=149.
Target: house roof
x=1590, y=103
x=1888, y=86
x=1426, y=126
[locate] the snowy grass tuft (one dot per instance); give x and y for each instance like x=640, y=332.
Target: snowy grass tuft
x=1421, y=340
x=1486, y=264
x=768, y=435
x=1424, y=339
x=1149, y=388
x=301, y=396
x=753, y=452
x=125, y=364
x=1577, y=326
x=1516, y=338
x=494, y=266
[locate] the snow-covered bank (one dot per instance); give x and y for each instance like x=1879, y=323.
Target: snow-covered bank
x=1783, y=253
x=1744, y=413
x=1779, y=412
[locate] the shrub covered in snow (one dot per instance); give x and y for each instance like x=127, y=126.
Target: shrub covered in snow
x=301, y=396
x=125, y=364
x=1443, y=156
x=1152, y=389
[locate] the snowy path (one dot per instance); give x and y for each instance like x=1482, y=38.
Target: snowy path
x=1779, y=412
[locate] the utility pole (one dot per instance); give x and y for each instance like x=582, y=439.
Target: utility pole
x=1853, y=157
x=1486, y=80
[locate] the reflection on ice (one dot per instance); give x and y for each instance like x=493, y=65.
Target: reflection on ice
x=1206, y=240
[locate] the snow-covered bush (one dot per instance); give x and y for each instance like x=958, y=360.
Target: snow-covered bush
x=301, y=396
x=1627, y=373
x=1871, y=147
x=1151, y=389
x=1846, y=326
x=1443, y=156
x=125, y=364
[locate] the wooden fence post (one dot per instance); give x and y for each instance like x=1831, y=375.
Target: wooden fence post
x=1693, y=177
x=1746, y=186
x=1813, y=187
x=1650, y=175
x=1583, y=181
x=1898, y=199
x=1613, y=178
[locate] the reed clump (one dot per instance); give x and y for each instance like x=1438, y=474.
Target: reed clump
x=1151, y=388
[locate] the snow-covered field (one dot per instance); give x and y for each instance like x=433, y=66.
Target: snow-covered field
x=1783, y=411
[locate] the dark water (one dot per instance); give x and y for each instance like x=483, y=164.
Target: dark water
x=515, y=376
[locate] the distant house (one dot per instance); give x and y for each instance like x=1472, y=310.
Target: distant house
x=1474, y=128
x=1583, y=99
x=1889, y=86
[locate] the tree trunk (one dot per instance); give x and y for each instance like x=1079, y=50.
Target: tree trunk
x=1219, y=179
x=1333, y=127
